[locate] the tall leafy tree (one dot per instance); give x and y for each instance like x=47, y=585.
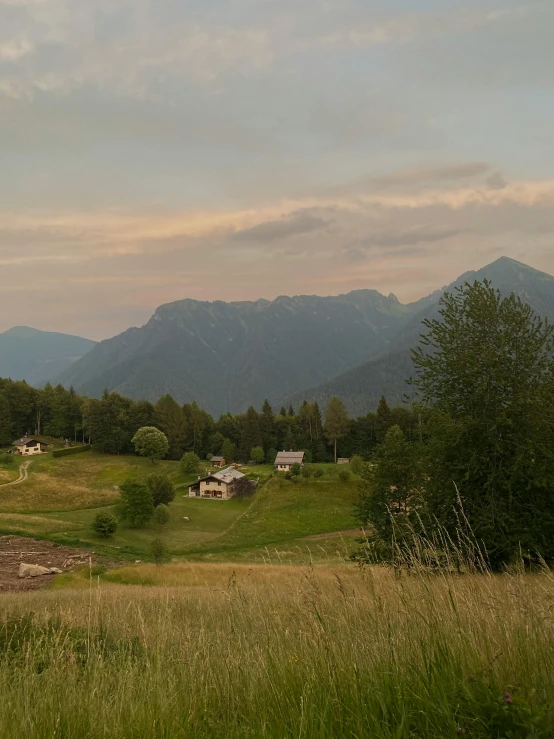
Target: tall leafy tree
x=135, y=506
x=486, y=370
x=391, y=490
x=336, y=422
x=228, y=450
x=170, y=418
x=151, y=442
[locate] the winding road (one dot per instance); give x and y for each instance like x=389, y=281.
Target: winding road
x=23, y=474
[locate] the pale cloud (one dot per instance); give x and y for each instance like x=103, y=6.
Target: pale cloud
x=12, y=50
x=293, y=224
x=299, y=147
x=462, y=171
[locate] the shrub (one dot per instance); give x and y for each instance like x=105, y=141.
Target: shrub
x=159, y=552
x=357, y=464
x=161, y=487
x=161, y=515
x=318, y=473
x=244, y=488
x=104, y=524
x=135, y=506
x=295, y=469
x=344, y=475
x=71, y=450
x=6, y=459
x=189, y=463
x=307, y=472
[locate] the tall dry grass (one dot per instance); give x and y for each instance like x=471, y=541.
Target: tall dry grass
x=239, y=651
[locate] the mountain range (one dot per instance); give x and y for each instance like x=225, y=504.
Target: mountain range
x=38, y=356
x=227, y=356
x=361, y=387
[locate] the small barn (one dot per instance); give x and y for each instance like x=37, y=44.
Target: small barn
x=343, y=460
x=285, y=460
x=217, y=485
x=27, y=446
x=218, y=461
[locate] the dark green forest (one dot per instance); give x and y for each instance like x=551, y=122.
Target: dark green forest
x=110, y=423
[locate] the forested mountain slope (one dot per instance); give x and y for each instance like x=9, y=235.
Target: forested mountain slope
x=227, y=356
x=361, y=387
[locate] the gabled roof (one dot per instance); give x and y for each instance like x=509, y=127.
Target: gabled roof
x=25, y=440
x=217, y=459
x=289, y=458
x=230, y=474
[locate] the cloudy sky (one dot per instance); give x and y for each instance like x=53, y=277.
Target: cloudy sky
x=152, y=150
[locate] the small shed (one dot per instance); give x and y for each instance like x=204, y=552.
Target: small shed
x=343, y=460
x=218, y=461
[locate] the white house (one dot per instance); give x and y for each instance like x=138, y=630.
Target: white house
x=27, y=445
x=285, y=460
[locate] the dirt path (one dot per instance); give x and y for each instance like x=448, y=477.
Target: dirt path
x=23, y=474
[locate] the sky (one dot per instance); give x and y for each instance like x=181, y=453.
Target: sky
x=155, y=150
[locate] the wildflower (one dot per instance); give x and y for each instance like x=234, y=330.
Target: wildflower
x=508, y=698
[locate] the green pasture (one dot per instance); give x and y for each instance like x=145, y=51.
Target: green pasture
x=284, y=521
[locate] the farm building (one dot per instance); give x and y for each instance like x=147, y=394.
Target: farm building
x=217, y=485
x=285, y=460
x=27, y=445
x=343, y=460
x=217, y=461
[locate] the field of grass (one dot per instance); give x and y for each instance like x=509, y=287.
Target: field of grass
x=63, y=495
x=228, y=650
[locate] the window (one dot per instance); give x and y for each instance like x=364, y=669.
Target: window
x=219, y=484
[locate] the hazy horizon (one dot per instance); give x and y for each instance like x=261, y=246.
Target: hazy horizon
x=245, y=149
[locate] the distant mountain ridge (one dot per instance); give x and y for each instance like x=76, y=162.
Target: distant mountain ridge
x=227, y=356
x=361, y=387
x=39, y=356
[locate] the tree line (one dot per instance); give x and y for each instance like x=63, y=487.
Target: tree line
x=110, y=423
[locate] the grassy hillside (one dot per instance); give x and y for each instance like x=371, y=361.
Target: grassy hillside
x=270, y=652
x=62, y=496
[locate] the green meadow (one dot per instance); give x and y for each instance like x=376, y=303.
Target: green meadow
x=228, y=651
x=284, y=521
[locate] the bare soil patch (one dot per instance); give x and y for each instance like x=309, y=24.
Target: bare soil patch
x=15, y=549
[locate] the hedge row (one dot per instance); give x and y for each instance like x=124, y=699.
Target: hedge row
x=71, y=450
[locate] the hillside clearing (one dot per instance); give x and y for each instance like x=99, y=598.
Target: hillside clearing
x=62, y=496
